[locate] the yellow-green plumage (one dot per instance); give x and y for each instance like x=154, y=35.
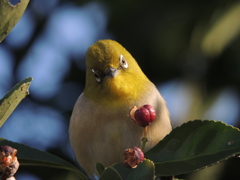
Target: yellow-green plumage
x=100, y=127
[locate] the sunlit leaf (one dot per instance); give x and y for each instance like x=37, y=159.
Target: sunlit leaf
x=10, y=101
x=10, y=15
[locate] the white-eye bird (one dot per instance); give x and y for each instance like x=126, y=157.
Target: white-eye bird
x=100, y=126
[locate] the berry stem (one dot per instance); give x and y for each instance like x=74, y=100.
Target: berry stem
x=144, y=139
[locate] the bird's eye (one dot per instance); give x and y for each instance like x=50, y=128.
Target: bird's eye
x=97, y=75
x=123, y=62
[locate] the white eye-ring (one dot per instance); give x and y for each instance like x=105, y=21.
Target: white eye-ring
x=97, y=76
x=123, y=62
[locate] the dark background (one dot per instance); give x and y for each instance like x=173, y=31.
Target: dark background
x=189, y=49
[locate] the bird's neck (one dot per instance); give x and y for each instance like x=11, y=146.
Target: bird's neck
x=116, y=94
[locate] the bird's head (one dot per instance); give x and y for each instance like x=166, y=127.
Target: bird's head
x=112, y=73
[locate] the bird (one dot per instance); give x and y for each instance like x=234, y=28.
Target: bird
x=100, y=126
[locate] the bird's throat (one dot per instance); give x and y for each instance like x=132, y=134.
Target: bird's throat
x=118, y=90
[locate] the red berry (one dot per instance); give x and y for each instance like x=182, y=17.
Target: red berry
x=151, y=111
x=144, y=115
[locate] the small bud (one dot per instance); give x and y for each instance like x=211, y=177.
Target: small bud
x=8, y=162
x=133, y=157
x=7, y=155
x=144, y=115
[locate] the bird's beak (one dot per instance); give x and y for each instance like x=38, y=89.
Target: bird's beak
x=111, y=72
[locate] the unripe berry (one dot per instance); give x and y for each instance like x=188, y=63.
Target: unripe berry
x=8, y=162
x=7, y=155
x=133, y=157
x=144, y=115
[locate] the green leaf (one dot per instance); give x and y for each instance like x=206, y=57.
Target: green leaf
x=100, y=168
x=143, y=171
x=194, y=145
x=10, y=101
x=28, y=156
x=10, y=15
